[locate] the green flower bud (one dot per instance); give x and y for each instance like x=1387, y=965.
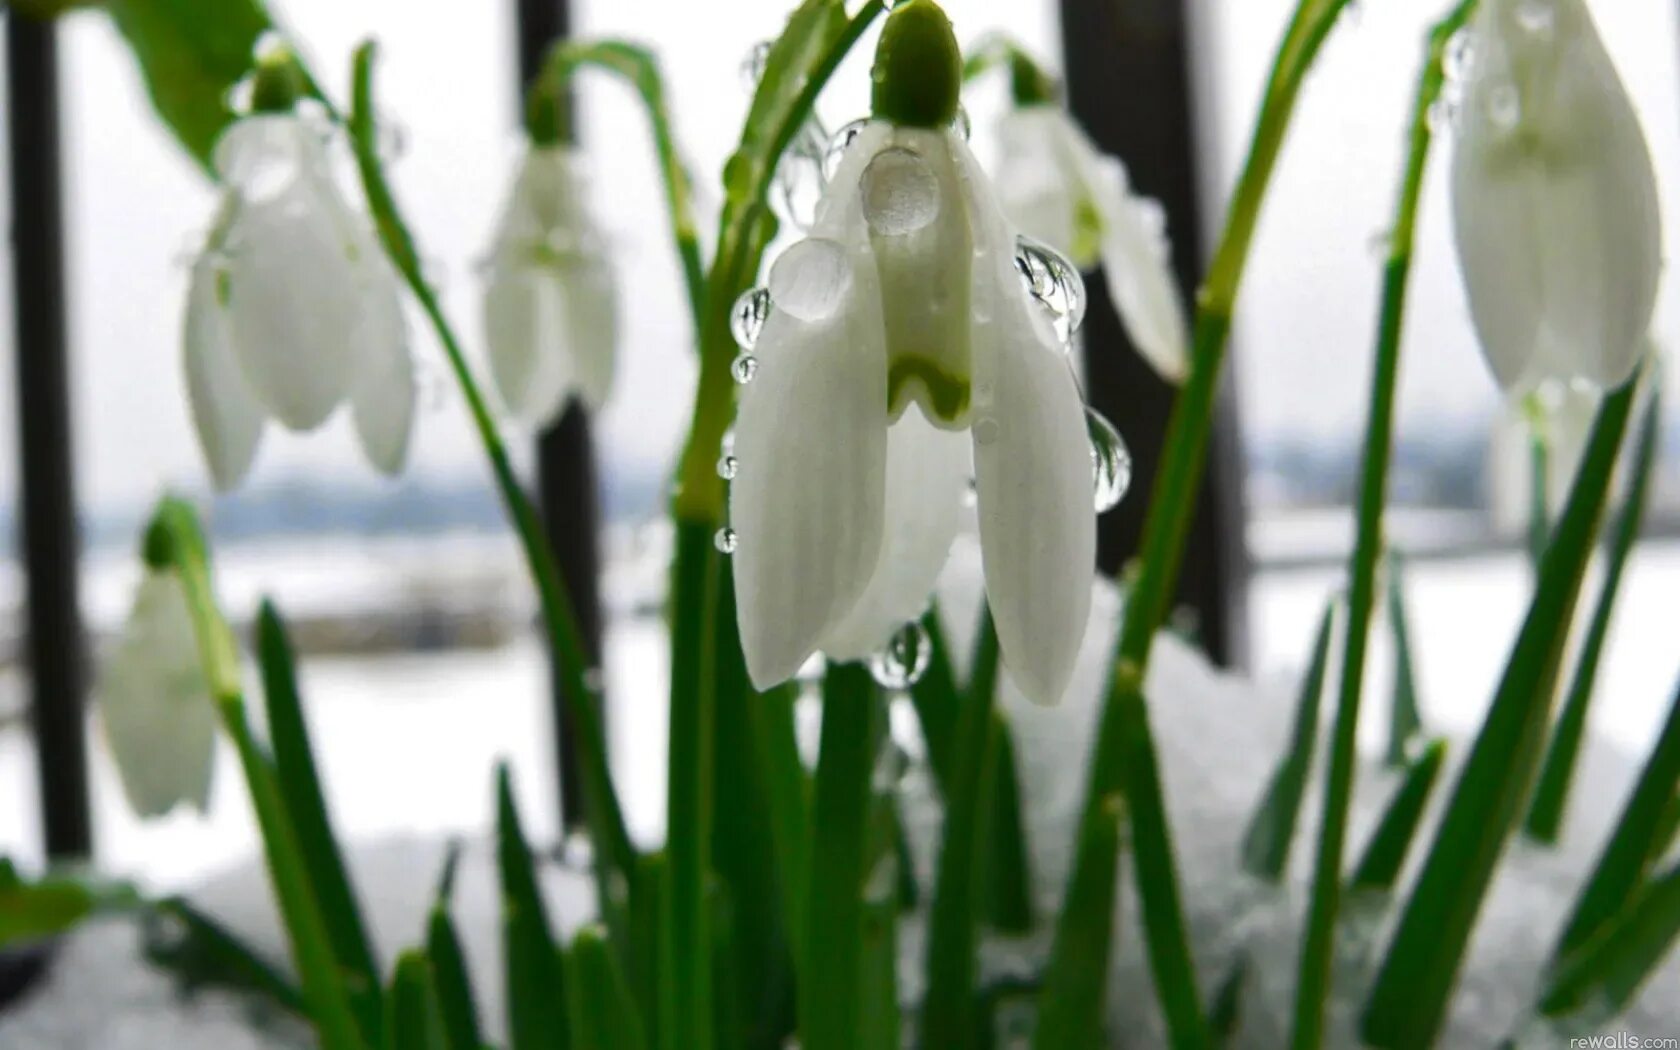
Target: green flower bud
x=547, y=115
x=918, y=68
x=277, y=84
x=1029, y=84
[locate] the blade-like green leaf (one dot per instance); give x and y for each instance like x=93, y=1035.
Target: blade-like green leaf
x=42, y=908
x=202, y=953
x=602, y=1010
x=451, y=976
x=1006, y=875
x=1551, y=794
x=535, y=982
x=1225, y=1012
x=1627, y=855
x=1386, y=853
x=937, y=698
x=1404, y=720
x=192, y=53
x=1070, y=1012
x=413, y=1022
x=306, y=804
x=1409, y=998
x=1668, y=829
x=1609, y=969
x=1271, y=830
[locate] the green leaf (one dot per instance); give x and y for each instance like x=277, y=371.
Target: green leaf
x=202, y=953
x=1006, y=875
x=1265, y=846
x=1409, y=998
x=1070, y=1012
x=191, y=54
x=47, y=907
x=306, y=804
x=535, y=983
x=1551, y=795
x=44, y=10
x=830, y=985
x=937, y=698
x=1386, y=853
x=880, y=1024
x=414, y=1022
x=1404, y=721
x=1609, y=969
x=1627, y=854
x=1225, y=1012
x=602, y=1010
x=451, y=976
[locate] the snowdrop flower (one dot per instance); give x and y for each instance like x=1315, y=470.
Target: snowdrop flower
x=902, y=355
x=549, y=312
x=1554, y=200
x=1057, y=187
x=155, y=706
x=292, y=307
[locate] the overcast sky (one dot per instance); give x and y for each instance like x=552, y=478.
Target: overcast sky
x=1305, y=321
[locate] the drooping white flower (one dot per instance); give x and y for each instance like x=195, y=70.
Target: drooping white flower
x=154, y=704
x=1058, y=188
x=549, y=298
x=1554, y=200
x=902, y=353
x=292, y=307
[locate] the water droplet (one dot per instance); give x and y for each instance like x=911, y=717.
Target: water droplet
x=961, y=124
x=836, y=151
x=577, y=851
x=1352, y=15
x=1504, y=108
x=267, y=176
x=744, y=368
x=900, y=192
x=986, y=430
x=392, y=142
x=1459, y=56
x=798, y=186
x=971, y=494
x=725, y=540
x=1111, y=461
x=752, y=67
x=1054, y=283
x=811, y=279
x=1537, y=17
x=727, y=467
x=904, y=659
x=1443, y=115
x=269, y=46
x=746, y=319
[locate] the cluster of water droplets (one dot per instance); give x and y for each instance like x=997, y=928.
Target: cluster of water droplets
x=1502, y=104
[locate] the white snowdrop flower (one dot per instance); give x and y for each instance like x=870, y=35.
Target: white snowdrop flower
x=549, y=297
x=154, y=704
x=1554, y=200
x=902, y=354
x=1058, y=188
x=292, y=307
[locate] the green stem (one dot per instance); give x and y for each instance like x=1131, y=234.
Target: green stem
x=640, y=68
x=1539, y=488
x=1124, y=757
x=615, y=853
x=1312, y=986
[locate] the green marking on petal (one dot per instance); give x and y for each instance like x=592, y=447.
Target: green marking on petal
x=946, y=396
x=1087, y=233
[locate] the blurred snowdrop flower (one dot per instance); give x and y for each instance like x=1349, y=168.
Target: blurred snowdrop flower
x=1554, y=200
x=549, y=312
x=1056, y=187
x=902, y=355
x=292, y=307
x=155, y=706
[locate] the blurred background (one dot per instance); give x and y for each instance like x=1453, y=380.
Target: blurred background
x=410, y=597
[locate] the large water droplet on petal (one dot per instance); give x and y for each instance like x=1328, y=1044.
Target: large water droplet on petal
x=811, y=279
x=1054, y=283
x=986, y=430
x=747, y=317
x=1111, y=462
x=836, y=150
x=725, y=540
x=1460, y=55
x=904, y=659
x=744, y=368
x=900, y=192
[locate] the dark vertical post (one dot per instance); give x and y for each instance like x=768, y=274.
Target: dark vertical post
x=1128, y=81
x=566, y=482
x=47, y=495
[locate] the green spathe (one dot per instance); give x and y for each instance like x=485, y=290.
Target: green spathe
x=918, y=68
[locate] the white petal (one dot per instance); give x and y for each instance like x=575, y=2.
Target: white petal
x=591, y=302
x=1033, y=472
x=927, y=475
x=808, y=496
x=227, y=418
x=1137, y=264
x=1554, y=202
x=156, y=710
x=524, y=329
x=1038, y=189
x=382, y=395
x=293, y=260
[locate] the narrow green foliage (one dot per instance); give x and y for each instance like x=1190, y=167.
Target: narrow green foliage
x=1668, y=829
x=1265, y=846
x=1225, y=1012
x=1627, y=856
x=938, y=698
x=788, y=797
x=202, y=953
x=647, y=924
x=413, y=1022
x=300, y=784
x=1070, y=1009
x=1405, y=723
x=451, y=978
x=1609, y=969
x=532, y=971
x=1385, y=854
x=1408, y=1001
x=1539, y=490
x=1006, y=875
x=831, y=979
x=884, y=898
x=599, y=1003
x=1551, y=795
x=39, y=909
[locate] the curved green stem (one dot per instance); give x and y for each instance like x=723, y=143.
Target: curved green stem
x=640, y=68
x=606, y=819
x=1312, y=987
x=1124, y=757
